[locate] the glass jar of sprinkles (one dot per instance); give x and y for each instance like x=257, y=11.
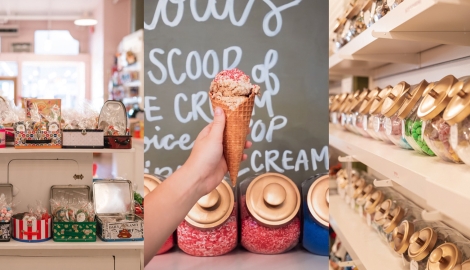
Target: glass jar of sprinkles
x=393, y=124
x=270, y=216
x=210, y=228
x=457, y=114
x=377, y=119
x=435, y=130
x=315, y=198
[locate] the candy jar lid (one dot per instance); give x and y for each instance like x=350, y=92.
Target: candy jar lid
x=421, y=243
x=359, y=99
x=366, y=191
x=395, y=99
x=346, y=103
x=151, y=182
x=373, y=200
x=353, y=11
x=359, y=186
x=464, y=266
x=393, y=218
x=367, y=5
x=212, y=209
x=382, y=211
x=318, y=200
x=338, y=102
x=273, y=199
x=339, y=24
x=437, y=98
x=444, y=257
x=459, y=106
x=401, y=236
x=368, y=100
x=376, y=106
x=412, y=97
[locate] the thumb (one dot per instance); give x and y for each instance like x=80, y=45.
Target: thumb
x=218, y=125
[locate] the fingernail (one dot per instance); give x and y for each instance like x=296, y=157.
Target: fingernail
x=218, y=111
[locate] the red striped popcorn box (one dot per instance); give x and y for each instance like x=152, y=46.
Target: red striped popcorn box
x=31, y=230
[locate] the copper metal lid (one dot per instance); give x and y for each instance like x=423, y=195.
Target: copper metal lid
x=437, y=98
x=372, y=201
x=411, y=98
x=395, y=99
x=318, y=200
x=459, y=106
x=382, y=211
x=376, y=107
x=359, y=100
x=338, y=102
x=212, y=209
x=422, y=243
x=273, y=199
x=367, y=5
x=366, y=191
x=359, y=186
x=393, y=219
x=339, y=24
x=401, y=236
x=346, y=103
x=367, y=102
x=353, y=11
x=444, y=257
x=464, y=266
x=151, y=182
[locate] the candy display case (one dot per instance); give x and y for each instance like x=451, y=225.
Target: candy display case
x=393, y=125
x=270, y=216
x=210, y=228
x=315, y=205
x=436, y=131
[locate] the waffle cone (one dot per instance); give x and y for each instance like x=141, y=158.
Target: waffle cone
x=237, y=123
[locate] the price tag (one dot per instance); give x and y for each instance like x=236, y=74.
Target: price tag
x=369, y=219
x=454, y=136
x=414, y=265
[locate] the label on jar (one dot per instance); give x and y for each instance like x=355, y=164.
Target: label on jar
x=388, y=126
x=454, y=136
x=414, y=265
x=369, y=219
x=364, y=122
x=403, y=126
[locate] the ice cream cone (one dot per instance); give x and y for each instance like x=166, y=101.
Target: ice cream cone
x=237, y=124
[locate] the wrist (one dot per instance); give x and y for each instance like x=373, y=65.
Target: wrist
x=192, y=180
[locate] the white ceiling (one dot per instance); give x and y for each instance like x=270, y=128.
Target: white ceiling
x=47, y=7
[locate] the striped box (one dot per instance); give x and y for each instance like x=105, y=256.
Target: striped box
x=31, y=231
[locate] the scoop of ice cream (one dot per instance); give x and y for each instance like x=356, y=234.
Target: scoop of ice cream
x=232, y=87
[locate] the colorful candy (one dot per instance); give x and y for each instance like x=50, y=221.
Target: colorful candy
x=436, y=135
x=413, y=135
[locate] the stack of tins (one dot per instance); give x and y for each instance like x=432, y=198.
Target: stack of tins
x=210, y=228
x=270, y=222
x=151, y=182
x=315, y=196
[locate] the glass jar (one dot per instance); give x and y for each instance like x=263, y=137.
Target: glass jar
x=343, y=182
x=151, y=182
x=356, y=115
x=381, y=10
x=335, y=115
x=362, y=198
x=390, y=108
x=270, y=217
x=444, y=257
x=210, y=228
x=457, y=115
x=377, y=119
x=352, y=24
x=315, y=197
x=338, y=31
x=367, y=14
x=354, y=188
x=363, y=113
x=411, y=122
x=395, y=4
x=370, y=206
x=435, y=130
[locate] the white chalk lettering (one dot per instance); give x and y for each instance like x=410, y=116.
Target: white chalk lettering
x=149, y=108
x=270, y=157
x=177, y=109
x=301, y=159
x=323, y=156
x=254, y=155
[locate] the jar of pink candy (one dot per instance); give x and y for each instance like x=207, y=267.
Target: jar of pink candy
x=436, y=131
x=270, y=216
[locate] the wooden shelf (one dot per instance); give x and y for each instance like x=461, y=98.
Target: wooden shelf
x=12, y=150
x=13, y=244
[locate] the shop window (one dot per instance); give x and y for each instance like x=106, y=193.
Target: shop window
x=57, y=42
x=8, y=79
x=62, y=80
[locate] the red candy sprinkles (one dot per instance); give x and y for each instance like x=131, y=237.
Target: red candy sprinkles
x=169, y=243
x=233, y=74
x=257, y=238
x=208, y=242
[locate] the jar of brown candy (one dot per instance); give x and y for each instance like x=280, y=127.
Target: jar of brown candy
x=457, y=114
x=436, y=131
x=270, y=216
x=377, y=119
x=391, y=106
x=210, y=228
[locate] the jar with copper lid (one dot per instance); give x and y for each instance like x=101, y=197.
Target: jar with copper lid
x=411, y=122
x=151, y=182
x=360, y=121
x=436, y=131
x=393, y=124
x=457, y=114
x=368, y=11
x=335, y=115
x=347, y=114
x=444, y=257
x=338, y=30
x=370, y=206
x=210, y=228
x=315, y=205
x=356, y=18
x=342, y=181
x=355, y=114
x=463, y=266
x=362, y=196
x=387, y=216
x=354, y=189
x=270, y=216
x=395, y=4
x=377, y=119
x=381, y=10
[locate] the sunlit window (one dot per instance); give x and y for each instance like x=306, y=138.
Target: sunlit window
x=57, y=42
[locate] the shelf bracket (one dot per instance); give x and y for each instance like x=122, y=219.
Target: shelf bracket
x=347, y=159
x=432, y=215
x=441, y=37
x=383, y=183
x=346, y=264
x=398, y=58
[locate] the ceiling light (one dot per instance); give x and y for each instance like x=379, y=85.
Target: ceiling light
x=85, y=21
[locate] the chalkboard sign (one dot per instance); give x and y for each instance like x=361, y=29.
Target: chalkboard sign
x=281, y=45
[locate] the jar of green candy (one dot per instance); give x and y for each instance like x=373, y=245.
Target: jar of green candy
x=412, y=124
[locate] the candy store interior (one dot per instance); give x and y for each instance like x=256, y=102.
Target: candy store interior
x=71, y=133
x=399, y=134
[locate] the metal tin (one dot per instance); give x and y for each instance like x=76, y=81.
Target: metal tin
x=318, y=200
x=411, y=98
x=5, y=227
x=273, y=199
x=395, y=99
x=445, y=257
x=437, y=98
x=459, y=106
x=422, y=243
x=83, y=138
x=377, y=104
x=401, y=236
x=115, y=109
x=372, y=201
x=71, y=192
